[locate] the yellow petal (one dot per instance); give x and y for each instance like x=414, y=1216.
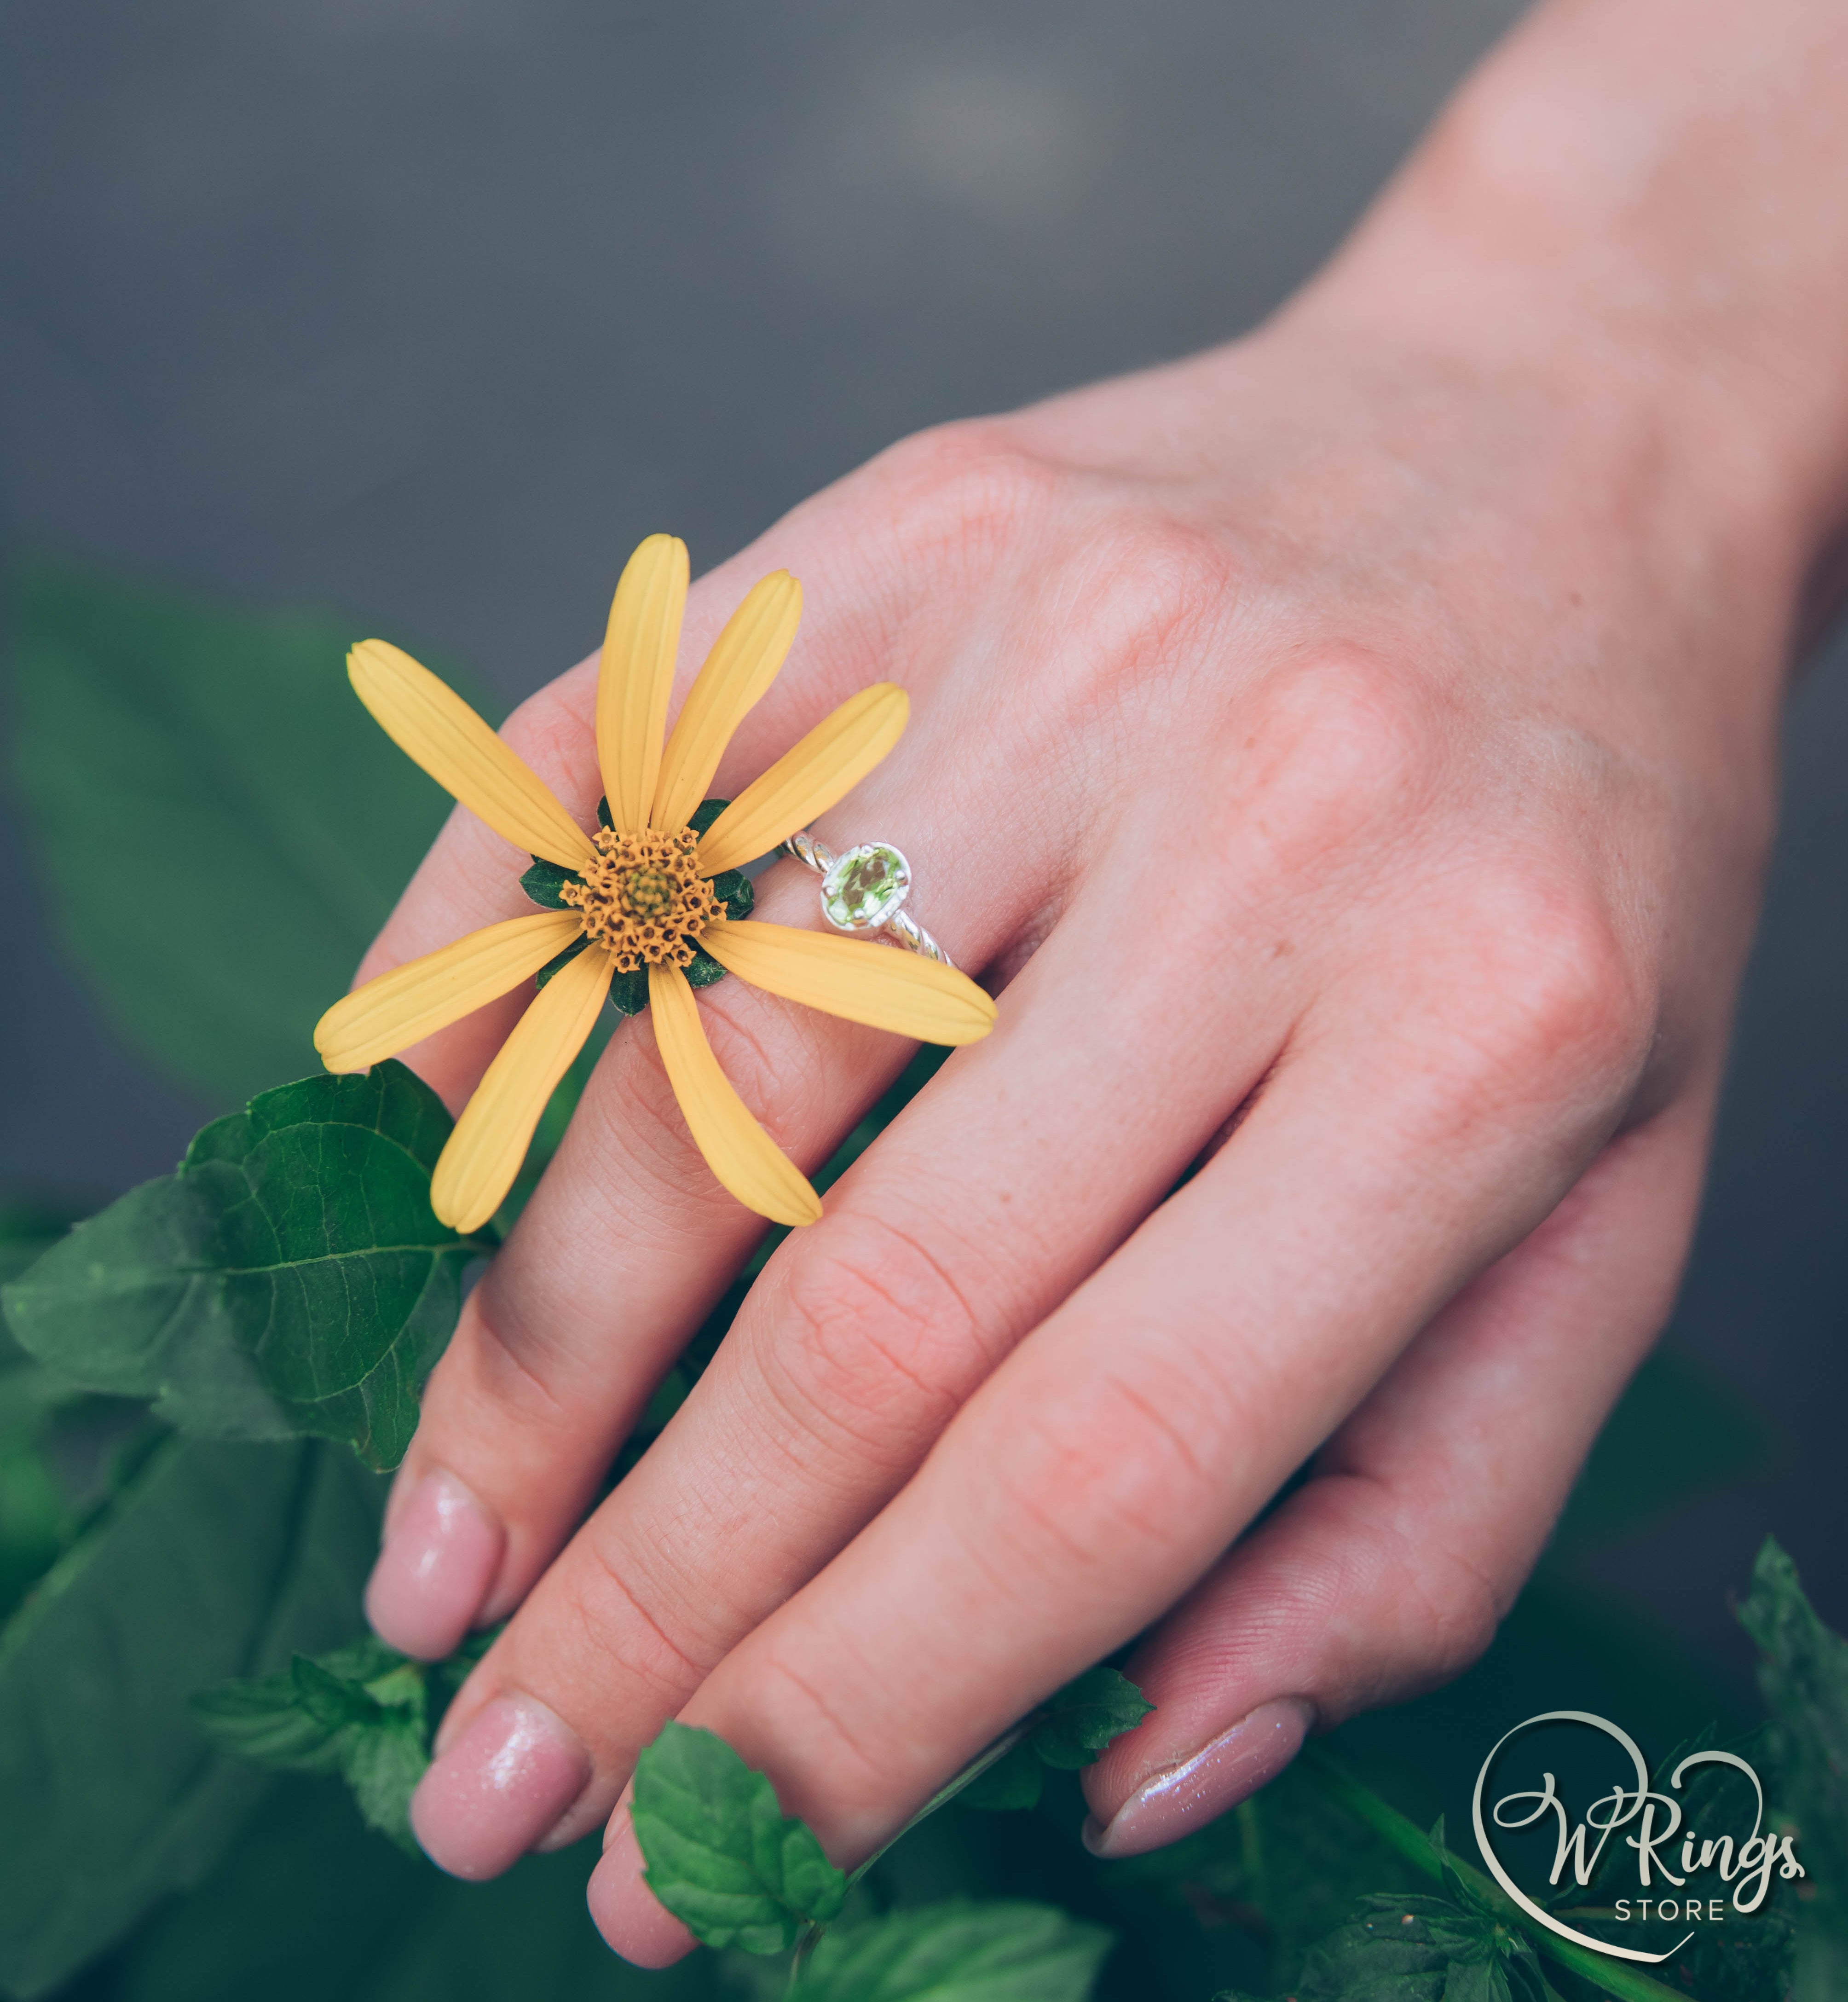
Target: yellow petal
x=477, y=1167
x=824, y=767
x=880, y=985
x=637, y=673
x=415, y=1000
x=740, y=666
x=430, y=722
x=737, y=1149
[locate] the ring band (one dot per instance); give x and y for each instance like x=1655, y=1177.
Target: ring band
x=863, y=890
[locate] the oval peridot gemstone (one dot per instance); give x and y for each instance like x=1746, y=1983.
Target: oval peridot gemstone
x=864, y=888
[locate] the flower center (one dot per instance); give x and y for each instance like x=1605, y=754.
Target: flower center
x=643, y=898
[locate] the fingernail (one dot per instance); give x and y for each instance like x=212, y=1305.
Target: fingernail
x=441, y=1551
x=633, y=1921
x=502, y=1784
x=1179, y=1799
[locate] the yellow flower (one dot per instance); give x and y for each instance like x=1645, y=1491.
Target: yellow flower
x=639, y=892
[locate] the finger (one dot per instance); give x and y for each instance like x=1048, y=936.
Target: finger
x=1099, y=1471
x=1388, y=1572
x=862, y=1337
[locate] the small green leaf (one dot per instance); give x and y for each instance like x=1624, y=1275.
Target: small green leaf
x=958, y=1951
x=544, y=882
x=720, y=1854
x=705, y=971
x=1012, y=1783
x=733, y=889
x=290, y=1278
x=628, y=991
x=1803, y=1677
x=1406, y=1949
x=561, y=960
x=363, y=1711
x=1085, y=1716
x=702, y=816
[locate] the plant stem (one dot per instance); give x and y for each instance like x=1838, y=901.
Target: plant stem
x=944, y=1794
x=1625, y=1983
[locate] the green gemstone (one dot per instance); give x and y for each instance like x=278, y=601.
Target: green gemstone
x=863, y=889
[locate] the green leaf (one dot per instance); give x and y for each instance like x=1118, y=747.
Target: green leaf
x=217, y=1559
x=958, y=1951
x=733, y=889
x=218, y=825
x=628, y=991
x=1085, y=1716
x=720, y=1854
x=363, y=1711
x=544, y=882
x=1412, y=1949
x=1012, y=1783
x=290, y=1278
x=560, y=961
x=1803, y=1676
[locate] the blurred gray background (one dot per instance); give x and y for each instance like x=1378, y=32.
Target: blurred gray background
x=424, y=311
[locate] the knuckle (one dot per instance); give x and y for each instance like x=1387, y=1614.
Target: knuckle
x=870, y=1334
x=963, y=491
x=795, y=1710
x=1119, y=1482
x=603, y=1613
x=1333, y=750
x=1140, y=595
x=1458, y=1611
x=500, y=1361
x=1544, y=994
x=775, y=1057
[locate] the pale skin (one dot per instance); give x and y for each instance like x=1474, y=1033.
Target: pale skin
x=1349, y=756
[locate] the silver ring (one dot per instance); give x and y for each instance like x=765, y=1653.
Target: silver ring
x=863, y=891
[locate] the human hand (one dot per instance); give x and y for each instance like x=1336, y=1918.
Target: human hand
x=1350, y=757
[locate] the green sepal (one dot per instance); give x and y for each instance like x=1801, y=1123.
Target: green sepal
x=733, y=888
x=545, y=883
x=563, y=959
x=705, y=814
x=704, y=971
x=603, y=816
x=628, y=991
